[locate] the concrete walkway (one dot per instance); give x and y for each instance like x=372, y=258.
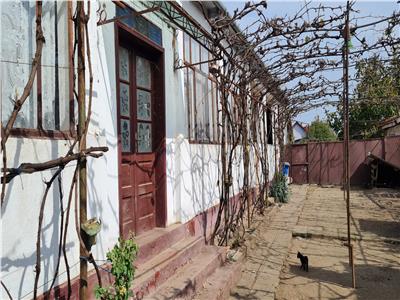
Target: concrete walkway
x=375, y=215
x=268, y=247
x=375, y=220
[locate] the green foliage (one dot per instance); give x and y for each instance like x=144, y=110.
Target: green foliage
x=279, y=188
x=376, y=98
x=321, y=131
x=121, y=256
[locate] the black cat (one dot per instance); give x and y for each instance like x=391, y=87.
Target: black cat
x=303, y=260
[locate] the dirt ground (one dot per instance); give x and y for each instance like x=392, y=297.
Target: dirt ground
x=376, y=233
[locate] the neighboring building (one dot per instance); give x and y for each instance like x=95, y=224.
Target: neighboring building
x=391, y=126
x=300, y=131
x=137, y=88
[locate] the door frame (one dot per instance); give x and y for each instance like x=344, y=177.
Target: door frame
x=137, y=40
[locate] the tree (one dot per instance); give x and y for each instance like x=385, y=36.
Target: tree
x=321, y=131
x=376, y=98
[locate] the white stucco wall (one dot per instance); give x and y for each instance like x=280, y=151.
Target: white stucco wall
x=19, y=218
x=298, y=132
x=22, y=204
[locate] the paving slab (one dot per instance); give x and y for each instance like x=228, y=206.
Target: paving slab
x=321, y=234
x=375, y=215
x=267, y=249
x=329, y=277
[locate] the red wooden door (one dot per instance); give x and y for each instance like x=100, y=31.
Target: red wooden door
x=135, y=93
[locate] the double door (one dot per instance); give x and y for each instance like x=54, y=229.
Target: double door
x=135, y=96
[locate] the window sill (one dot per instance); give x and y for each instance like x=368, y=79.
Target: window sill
x=203, y=142
x=43, y=134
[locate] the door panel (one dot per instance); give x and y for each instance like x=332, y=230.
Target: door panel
x=145, y=191
x=137, y=159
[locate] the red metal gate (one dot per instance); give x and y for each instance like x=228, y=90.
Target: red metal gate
x=322, y=162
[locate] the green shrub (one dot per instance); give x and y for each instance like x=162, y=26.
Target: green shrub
x=121, y=257
x=279, y=188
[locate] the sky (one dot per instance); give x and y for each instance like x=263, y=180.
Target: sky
x=289, y=7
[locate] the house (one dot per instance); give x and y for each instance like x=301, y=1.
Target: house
x=391, y=126
x=300, y=131
x=159, y=177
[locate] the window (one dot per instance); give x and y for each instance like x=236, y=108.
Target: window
x=140, y=24
x=200, y=92
x=48, y=107
x=269, y=127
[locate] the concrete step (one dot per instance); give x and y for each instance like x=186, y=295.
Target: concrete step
x=190, y=278
x=224, y=278
x=152, y=241
x=155, y=271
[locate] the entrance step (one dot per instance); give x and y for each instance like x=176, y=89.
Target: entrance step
x=156, y=270
x=218, y=286
x=152, y=241
x=191, y=277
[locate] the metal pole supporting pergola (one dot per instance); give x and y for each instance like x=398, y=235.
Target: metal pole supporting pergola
x=346, y=154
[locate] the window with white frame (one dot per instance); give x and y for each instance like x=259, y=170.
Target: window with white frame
x=49, y=106
x=200, y=93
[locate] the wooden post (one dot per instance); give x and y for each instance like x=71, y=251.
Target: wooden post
x=80, y=17
x=346, y=160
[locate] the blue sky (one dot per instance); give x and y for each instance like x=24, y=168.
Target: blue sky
x=289, y=7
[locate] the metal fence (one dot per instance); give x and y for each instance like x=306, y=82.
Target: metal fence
x=322, y=162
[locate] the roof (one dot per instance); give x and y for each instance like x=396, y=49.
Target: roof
x=371, y=157
x=304, y=126
x=235, y=27
x=390, y=122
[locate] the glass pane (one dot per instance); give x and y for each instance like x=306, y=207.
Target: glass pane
x=207, y=91
x=210, y=111
x=142, y=25
x=144, y=137
x=204, y=57
x=125, y=135
x=131, y=21
x=186, y=45
x=17, y=47
x=155, y=34
x=124, y=99
x=201, y=107
x=190, y=101
x=143, y=72
x=55, y=67
x=143, y=105
x=123, y=64
x=214, y=105
x=195, y=52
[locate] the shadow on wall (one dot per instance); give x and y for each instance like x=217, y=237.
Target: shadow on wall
x=203, y=170
x=193, y=175
x=102, y=173
x=15, y=163
x=19, y=254
x=25, y=264
x=101, y=183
